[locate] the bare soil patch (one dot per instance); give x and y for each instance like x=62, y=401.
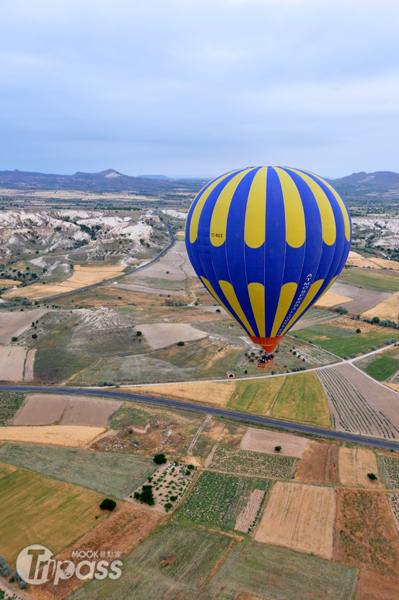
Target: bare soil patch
x=47, y=409
x=56, y=435
x=372, y=586
x=12, y=362
x=82, y=276
x=116, y=536
x=160, y=335
x=354, y=464
x=262, y=440
x=12, y=324
x=29, y=373
x=210, y=393
x=365, y=534
x=359, y=404
x=299, y=516
x=319, y=464
x=363, y=299
x=248, y=515
x=330, y=299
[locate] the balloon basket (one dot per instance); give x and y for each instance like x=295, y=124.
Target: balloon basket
x=265, y=361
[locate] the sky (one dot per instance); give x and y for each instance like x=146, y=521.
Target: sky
x=196, y=88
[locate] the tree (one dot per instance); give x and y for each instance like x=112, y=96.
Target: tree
x=160, y=459
x=358, y=331
x=372, y=476
x=277, y=448
x=139, y=333
x=376, y=319
x=180, y=343
x=147, y=496
x=108, y=504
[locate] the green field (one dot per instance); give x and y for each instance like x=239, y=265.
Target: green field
x=384, y=281
x=218, y=498
x=255, y=396
x=251, y=570
x=10, y=402
x=302, y=398
x=331, y=339
x=40, y=510
x=197, y=554
x=382, y=367
x=110, y=473
x=265, y=572
x=389, y=468
x=246, y=462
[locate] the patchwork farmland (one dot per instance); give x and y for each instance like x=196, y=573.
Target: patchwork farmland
x=246, y=462
x=390, y=471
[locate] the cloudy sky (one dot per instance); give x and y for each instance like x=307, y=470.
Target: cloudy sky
x=199, y=87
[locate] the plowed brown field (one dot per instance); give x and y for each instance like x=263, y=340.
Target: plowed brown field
x=377, y=587
x=365, y=534
x=355, y=464
x=319, y=464
x=299, y=516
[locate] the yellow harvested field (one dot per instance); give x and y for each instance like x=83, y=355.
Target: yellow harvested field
x=211, y=393
x=357, y=260
x=387, y=309
x=330, y=299
x=82, y=276
x=55, y=435
x=300, y=517
x=9, y=283
x=393, y=386
x=353, y=466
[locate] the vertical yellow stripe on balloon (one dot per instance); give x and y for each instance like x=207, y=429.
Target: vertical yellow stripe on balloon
x=326, y=212
x=286, y=297
x=295, y=229
x=232, y=299
x=200, y=205
x=341, y=204
x=222, y=207
x=256, y=293
x=255, y=216
x=214, y=294
x=314, y=288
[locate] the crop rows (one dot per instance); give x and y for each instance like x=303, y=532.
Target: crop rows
x=394, y=502
x=218, y=498
x=10, y=402
x=253, y=463
x=390, y=470
x=351, y=410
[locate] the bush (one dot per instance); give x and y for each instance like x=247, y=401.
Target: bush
x=34, y=335
x=147, y=496
x=218, y=310
x=372, y=476
x=180, y=343
x=191, y=467
x=277, y=448
x=137, y=495
x=168, y=506
x=108, y=504
x=14, y=339
x=139, y=333
x=352, y=355
x=102, y=383
x=311, y=341
x=376, y=319
x=160, y=459
x=358, y=331
x=345, y=357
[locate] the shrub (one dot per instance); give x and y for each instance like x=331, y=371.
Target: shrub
x=102, y=383
x=311, y=341
x=168, y=506
x=14, y=339
x=108, y=504
x=160, y=459
x=277, y=448
x=345, y=357
x=180, y=343
x=218, y=310
x=34, y=335
x=373, y=348
x=191, y=467
x=147, y=496
x=372, y=476
x=352, y=355
x=137, y=495
x=358, y=330
x=139, y=333
x=376, y=319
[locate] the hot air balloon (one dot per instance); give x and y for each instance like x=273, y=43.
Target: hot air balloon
x=267, y=243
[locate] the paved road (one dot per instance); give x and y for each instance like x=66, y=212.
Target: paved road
x=209, y=410
x=93, y=285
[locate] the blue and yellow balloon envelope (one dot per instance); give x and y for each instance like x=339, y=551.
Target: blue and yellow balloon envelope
x=267, y=243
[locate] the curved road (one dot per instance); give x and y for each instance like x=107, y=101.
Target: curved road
x=209, y=410
x=93, y=285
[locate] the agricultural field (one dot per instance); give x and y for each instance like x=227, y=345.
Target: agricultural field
x=265, y=440
x=55, y=435
x=245, y=462
x=255, y=396
x=331, y=298
x=372, y=585
x=123, y=531
x=208, y=392
x=389, y=467
x=10, y=403
x=319, y=464
x=300, y=517
x=12, y=363
x=359, y=405
x=344, y=342
x=12, y=324
x=169, y=484
x=37, y=509
x=382, y=367
x=219, y=500
x=393, y=498
x=302, y=398
x=46, y=409
x=253, y=571
x=160, y=335
x=387, y=309
x=362, y=299
x=354, y=464
x=108, y=473
x=365, y=534
x=372, y=279
x=174, y=562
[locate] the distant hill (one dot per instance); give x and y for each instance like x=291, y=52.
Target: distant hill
x=362, y=184
x=104, y=181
